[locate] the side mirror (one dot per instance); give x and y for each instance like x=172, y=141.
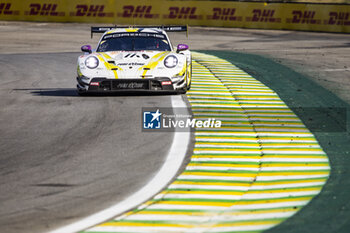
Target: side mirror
x=182, y=47
x=86, y=48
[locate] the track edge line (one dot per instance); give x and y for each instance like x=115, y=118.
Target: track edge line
x=168, y=171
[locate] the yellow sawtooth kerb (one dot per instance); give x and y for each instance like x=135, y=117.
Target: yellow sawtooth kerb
x=259, y=169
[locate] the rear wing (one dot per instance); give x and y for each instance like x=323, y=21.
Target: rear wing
x=173, y=28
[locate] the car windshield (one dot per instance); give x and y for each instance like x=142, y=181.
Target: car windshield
x=133, y=42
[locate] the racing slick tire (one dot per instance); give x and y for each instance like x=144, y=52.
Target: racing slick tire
x=82, y=93
x=189, y=86
x=183, y=90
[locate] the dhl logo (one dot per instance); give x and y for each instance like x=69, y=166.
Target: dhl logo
x=224, y=14
x=182, y=13
x=338, y=18
x=263, y=16
x=91, y=11
x=44, y=10
x=138, y=12
x=303, y=17
x=5, y=9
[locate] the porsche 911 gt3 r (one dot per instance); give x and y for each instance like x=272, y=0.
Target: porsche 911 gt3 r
x=134, y=59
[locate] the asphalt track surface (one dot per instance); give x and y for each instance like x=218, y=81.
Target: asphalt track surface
x=64, y=157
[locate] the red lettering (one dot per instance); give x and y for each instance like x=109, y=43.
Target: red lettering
x=256, y=15
x=308, y=16
x=304, y=17
x=226, y=12
x=148, y=12
x=140, y=11
x=223, y=14
x=101, y=12
x=192, y=14
x=44, y=10
x=173, y=12
x=49, y=9
x=264, y=16
x=81, y=10
x=216, y=13
x=339, y=18
x=128, y=10
x=5, y=8
x=182, y=13
x=91, y=11
x=34, y=9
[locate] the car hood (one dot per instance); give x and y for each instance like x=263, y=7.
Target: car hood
x=134, y=64
x=134, y=60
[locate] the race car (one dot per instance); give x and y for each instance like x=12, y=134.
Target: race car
x=134, y=59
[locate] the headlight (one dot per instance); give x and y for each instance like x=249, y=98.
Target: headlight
x=171, y=61
x=91, y=62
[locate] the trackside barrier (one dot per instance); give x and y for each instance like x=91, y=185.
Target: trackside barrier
x=291, y=16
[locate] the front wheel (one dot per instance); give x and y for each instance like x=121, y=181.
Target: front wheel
x=183, y=90
x=190, y=76
x=82, y=93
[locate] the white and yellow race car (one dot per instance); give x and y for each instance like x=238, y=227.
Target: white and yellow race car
x=134, y=59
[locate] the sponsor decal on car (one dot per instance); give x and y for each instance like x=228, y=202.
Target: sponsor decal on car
x=94, y=84
x=131, y=64
x=131, y=85
x=166, y=83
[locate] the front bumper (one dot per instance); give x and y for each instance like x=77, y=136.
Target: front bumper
x=102, y=85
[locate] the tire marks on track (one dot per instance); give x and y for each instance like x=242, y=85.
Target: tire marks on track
x=258, y=169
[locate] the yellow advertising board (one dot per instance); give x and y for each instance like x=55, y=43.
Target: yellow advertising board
x=290, y=16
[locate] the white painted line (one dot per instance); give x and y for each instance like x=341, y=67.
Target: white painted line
x=153, y=229
x=186, y=207
x=291, y=177
x=167, y=172
x=212, y=217
x=301, y=159
x=226, y=159
x=227, y=146
x=257, y=206
x=217, y=168
x=225, y=178
x=203, y=196
x=208, y=187
x=299, y=168
x=255, y=187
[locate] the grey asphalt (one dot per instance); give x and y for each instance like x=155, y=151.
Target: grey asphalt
x=63, y=157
